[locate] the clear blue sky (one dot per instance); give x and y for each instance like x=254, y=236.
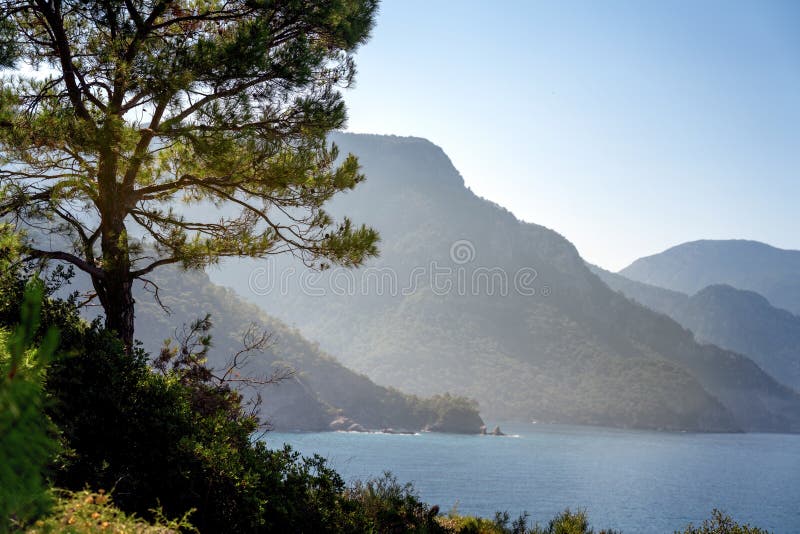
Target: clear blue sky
x=628, y=127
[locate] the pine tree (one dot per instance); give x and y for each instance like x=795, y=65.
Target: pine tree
x=146, y=104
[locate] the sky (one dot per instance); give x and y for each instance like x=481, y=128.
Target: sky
x=627, y=127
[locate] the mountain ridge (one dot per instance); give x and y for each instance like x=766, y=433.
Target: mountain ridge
x=554, y=355
x=744, y=264
x=739, y=320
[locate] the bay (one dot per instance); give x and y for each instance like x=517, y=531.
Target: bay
x=636, y=481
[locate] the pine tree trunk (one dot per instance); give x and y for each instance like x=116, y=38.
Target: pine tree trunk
x=119, y=310
x=115, y=289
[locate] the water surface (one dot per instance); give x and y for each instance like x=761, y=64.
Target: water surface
x=636, y=481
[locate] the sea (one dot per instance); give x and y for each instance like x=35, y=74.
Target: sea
x=630, y=480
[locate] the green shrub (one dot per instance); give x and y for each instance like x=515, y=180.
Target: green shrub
x=391, y=507
x=86, y=512
x=566, y=522
x=459, y=524
x=721, y=523
x=144, y=435
x=27, y=442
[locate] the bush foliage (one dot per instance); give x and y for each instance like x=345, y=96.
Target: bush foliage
x=720, y=523
x=86, y=512
x=27, y=441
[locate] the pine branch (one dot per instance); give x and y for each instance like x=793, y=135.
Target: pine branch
x=81, y=264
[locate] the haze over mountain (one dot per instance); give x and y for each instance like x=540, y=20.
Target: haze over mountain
x=468, y=299
x=690, y=267
x=734, y=319
x=322, y=391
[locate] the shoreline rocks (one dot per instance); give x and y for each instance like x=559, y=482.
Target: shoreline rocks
x=343, y=423
x=495, y=432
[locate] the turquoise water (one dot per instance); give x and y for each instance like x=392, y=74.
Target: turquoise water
x=631, y=480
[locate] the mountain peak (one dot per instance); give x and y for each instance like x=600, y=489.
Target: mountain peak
x=726, y=244
x=729, y=290
x=743, y=264
x=408, y=159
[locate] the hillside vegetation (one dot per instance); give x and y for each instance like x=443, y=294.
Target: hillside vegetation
x=321, y=389
x=735, y=319
x=572, y=351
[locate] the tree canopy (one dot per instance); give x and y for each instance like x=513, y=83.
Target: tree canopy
x=115, y=112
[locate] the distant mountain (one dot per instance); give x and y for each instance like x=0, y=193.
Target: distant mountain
x=735, y=319
x=322, y=391
x=468, y=299
x=690, y=267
